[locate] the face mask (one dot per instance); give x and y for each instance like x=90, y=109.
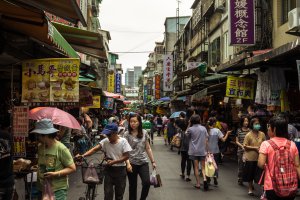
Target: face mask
x=256, y=127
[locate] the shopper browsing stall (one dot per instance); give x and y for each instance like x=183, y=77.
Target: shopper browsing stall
x=55, y=162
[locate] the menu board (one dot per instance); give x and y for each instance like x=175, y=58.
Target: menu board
x=50, y=80
x=20, y=120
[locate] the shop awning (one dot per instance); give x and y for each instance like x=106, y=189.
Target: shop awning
x=33, y=24
x=235, y=63
x=284, y=53
x=85, y=79
x=66, y=9
x=113, y=95
x=87, y=42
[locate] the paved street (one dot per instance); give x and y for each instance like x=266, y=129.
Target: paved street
x=173, y=187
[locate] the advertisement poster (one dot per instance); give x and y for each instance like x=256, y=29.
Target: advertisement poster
x=50, y=80
x=157, y=86
x=20, y=120
x=168, y=73
x=241, y=88
x=19, y=146
x=242, y=23
x=96, y=102
x=109, y=103
x=111, y=81
x=86, y=97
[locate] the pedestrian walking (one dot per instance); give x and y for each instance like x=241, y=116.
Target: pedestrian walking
x=171, y=131
x=241, y=133
x=159, y=125
x=198, y=137
x=186, y=162
x=147, y=125
x=289, y=162
x=55, y=161
x=252, y=142
x=138, y=161
x=214, y=135
x=6, y=160
x=117, y=150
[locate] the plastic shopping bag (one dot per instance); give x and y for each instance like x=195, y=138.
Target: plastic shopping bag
x=48, y=193
x=209, y=167
x=153, y=179
x=90, y=175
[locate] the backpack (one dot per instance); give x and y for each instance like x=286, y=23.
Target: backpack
x=284, y=177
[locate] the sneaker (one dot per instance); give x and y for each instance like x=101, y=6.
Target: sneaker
x=182, y=176
x=188, y=180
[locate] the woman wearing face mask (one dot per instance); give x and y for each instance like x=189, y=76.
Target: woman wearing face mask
x=138, y=161
x=241, y=133
x=251, y=144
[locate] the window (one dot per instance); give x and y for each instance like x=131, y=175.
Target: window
x=225, y=46
x=214, y=52
x=286, y=7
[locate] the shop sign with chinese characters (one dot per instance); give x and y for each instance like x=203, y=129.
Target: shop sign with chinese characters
x=118, y=83
x=111, y=81
x=168, y=73
x=242, y=23
x=20, y=121
x=157, y=86
x=50, y=80
x=145, y=93
x=241, y=88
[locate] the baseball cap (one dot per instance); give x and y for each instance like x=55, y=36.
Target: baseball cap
x=110, y=128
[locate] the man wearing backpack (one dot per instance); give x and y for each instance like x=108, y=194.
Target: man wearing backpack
x=280, y=159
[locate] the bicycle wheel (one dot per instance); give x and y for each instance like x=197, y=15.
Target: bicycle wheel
x=90, y=193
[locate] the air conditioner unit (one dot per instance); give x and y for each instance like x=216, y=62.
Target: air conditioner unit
x=294, y=18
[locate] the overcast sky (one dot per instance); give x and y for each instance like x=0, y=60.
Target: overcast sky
x=135, y=25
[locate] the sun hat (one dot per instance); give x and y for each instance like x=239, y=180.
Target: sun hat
x=45, y=127
x=110, y=128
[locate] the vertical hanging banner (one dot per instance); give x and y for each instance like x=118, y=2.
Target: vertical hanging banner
x=111, y=81
x=20, y=121
x=157, y=86
x=168, y=73
x=118, y=82
x=242, y=22
x=145, y=93
x=19, y=146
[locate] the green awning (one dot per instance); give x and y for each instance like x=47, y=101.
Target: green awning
x=33, y=24
x=84, y=79
x=87, y=42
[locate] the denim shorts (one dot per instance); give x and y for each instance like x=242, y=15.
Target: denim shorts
x=199, y=158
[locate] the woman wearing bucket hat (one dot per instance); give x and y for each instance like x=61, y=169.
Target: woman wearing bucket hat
x=54, y=160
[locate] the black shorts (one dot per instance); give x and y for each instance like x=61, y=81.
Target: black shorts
x=250, y=170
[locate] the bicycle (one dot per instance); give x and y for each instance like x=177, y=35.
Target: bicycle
x=92, y=175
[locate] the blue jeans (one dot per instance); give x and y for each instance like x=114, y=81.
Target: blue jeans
x=6, y=193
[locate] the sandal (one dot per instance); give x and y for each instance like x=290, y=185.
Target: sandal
x=197, y=187
x=251, y=194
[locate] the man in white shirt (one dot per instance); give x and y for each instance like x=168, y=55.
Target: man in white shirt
x=117, y=150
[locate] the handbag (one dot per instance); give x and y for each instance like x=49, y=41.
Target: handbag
x=176, y=141
x=48, y=193
x=158, y=179
x=209, y=167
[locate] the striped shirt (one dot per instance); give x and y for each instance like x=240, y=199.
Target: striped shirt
x=241, y=136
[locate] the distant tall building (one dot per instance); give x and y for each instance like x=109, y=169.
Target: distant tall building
x=137, y=74
x=129, y=78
